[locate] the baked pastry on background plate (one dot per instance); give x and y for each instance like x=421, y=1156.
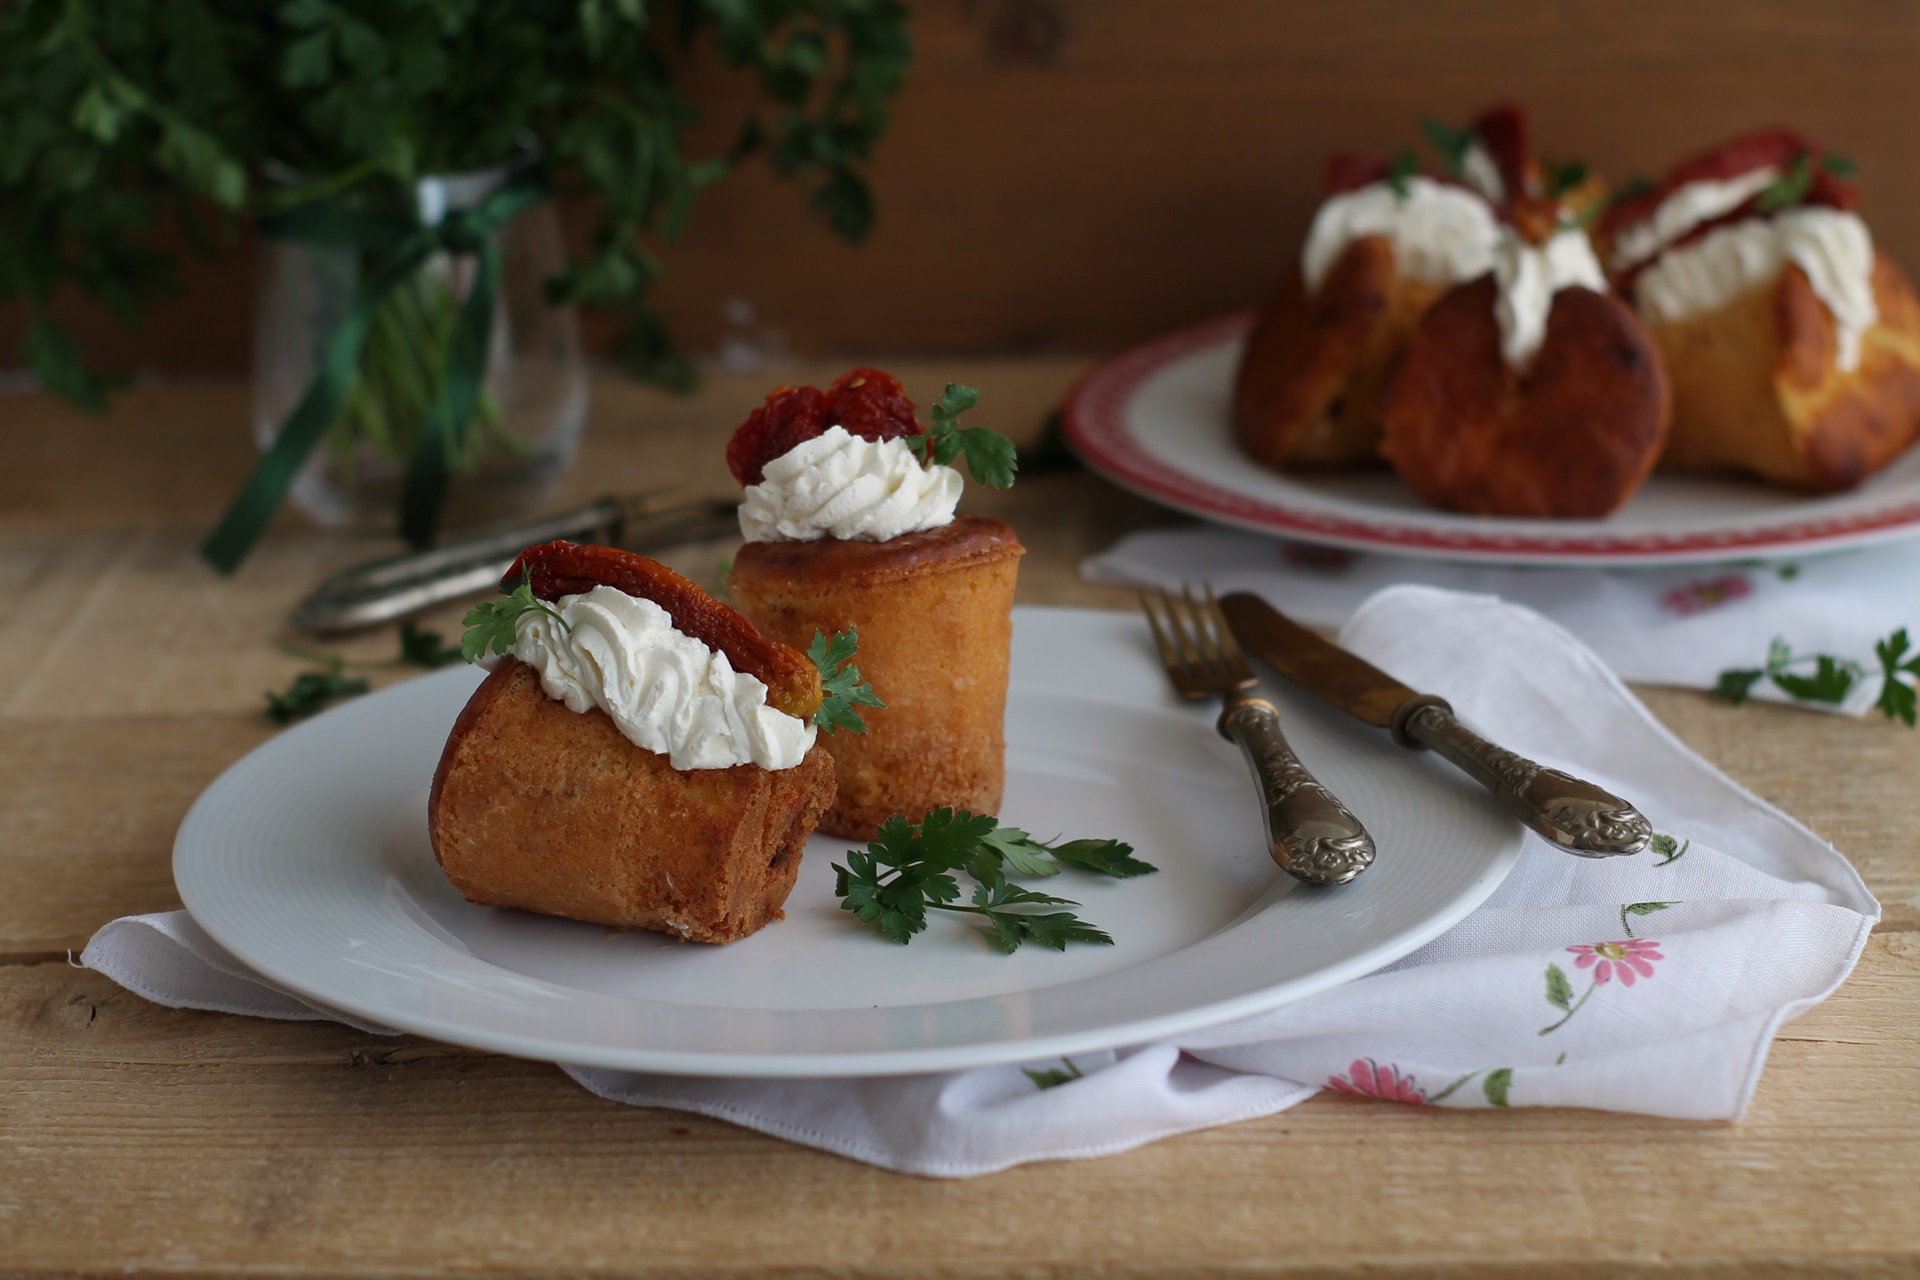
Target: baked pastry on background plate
x=1792, y=344
x=850, y=527
x=639, y=756
x=1383, y=246
x=1530, y=390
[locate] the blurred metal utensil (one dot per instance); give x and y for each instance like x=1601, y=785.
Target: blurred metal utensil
x=403, y=585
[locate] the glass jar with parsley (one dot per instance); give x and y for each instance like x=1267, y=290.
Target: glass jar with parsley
x=522, y=426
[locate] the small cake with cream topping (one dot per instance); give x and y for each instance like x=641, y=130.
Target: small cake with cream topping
x=639, y=756
x=850, y=527
x=1529, y=390
x=1792, y=344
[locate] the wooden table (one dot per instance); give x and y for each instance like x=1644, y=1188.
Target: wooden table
x=135, y=1138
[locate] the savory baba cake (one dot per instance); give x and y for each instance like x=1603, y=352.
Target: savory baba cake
x=1530, y=390
x=1792, y=344
x=639, y=756
x=850, y=527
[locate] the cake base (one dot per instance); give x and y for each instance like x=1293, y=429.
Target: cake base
x=934, y=611
x=545, y=809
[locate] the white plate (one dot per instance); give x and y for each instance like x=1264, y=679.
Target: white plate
x=309, y=861
x=1155, y=419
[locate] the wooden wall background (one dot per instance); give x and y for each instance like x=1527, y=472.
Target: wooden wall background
x=1073, y=175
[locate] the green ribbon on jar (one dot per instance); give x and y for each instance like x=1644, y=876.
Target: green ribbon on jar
x=399, y=247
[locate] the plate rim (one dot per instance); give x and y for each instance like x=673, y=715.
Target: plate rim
x=789, y=1065
x=1094, y=422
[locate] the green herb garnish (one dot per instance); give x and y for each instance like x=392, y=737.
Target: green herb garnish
x=1840, y=167
x=312, y=690
x=419, y=648
x=991, y=457
x=493, y=624
x=1562, y=178
x=1789, y=189
x=1897, y=673
x=1832, y=678
x=841, y=687
x=1451, y=142
x=1403, y=166
x=910, y=868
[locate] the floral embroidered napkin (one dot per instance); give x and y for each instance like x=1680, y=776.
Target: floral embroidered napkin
x=1682, y=625
x=1650, y=984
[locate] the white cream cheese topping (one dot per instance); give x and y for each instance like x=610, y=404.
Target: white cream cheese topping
x=1440, y=234
x=1526, y=277
x=844, y=486
x=1482, y=174
x=665, y=690
x=1834, y=248
x=1685, y=209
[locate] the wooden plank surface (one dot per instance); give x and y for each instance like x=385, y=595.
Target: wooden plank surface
x=141, y=1139
x=1071, y=175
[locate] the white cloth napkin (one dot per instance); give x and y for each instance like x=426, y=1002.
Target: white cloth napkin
x=1680, y=626
x=1650, y=984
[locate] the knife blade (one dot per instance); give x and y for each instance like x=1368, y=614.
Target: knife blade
x=402, y=585
x=1568, y=812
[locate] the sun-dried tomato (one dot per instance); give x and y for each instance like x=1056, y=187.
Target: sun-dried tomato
x=1348, y=172
x=558, y=569
x=866, y=402
x=790, y=415
x=1507, y=135
x=872, y=404
x=1759, y=149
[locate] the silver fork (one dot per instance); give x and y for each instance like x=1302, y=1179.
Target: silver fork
x=1309, y=832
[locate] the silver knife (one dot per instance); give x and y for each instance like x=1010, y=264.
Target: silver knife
x=402, y=585
x=1575, y=815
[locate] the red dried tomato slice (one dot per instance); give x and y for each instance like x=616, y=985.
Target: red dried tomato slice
x=871, y=404
x=1758, y=149
x=1348, y=172
x=866, y=402
x=790, y=415
x=1507, y=135
x=558, y=569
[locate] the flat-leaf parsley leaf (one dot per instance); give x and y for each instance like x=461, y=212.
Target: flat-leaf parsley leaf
x=991, y=457
x=493, y=624
x=842, y=689
x=910, y=869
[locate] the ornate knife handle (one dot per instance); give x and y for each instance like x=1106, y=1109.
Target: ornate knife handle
x=1573, y=814
x=1309, y=832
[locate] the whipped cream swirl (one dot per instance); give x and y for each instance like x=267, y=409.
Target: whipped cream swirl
x=1527, y=276
x=844, y=486
x=1682, y=211
x=1834, y=248
x=1440, y=234
x=665, y=690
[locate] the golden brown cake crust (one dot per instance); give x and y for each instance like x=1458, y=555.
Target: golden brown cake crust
x=538, y=807
x=1574, y=436
x=1756, y=388
x=934, y=613
x=1308, y=389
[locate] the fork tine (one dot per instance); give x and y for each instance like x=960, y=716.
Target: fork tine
x=1230, y=652
x=1205, y=627
x=1171, y=658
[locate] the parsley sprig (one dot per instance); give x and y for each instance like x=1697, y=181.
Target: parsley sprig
x=493, y=624
x=910, y=869
x=312, y=690
x=1793, y=184
x=990, y=456
x=1833, y=678
x=842, y=689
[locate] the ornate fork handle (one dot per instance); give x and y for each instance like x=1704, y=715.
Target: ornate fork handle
x=1566, y=810
x=1309, y=832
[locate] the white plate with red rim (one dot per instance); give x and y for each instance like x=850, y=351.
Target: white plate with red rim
x=1155, y=419
x=309, y=861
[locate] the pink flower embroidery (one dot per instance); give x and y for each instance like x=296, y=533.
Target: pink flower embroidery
x=1710, y=593
x=1367, y=1079
x=1624, y=959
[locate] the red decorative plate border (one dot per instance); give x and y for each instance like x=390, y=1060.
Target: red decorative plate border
x=1096, y=428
